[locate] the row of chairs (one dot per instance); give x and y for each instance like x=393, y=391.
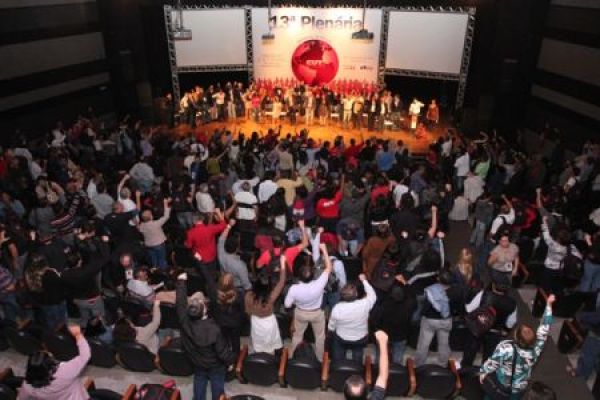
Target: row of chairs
x=428, y=381
x=171, y=358
x=9, y=386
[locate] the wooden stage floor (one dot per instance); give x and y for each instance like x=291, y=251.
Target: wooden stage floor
x=326, y=132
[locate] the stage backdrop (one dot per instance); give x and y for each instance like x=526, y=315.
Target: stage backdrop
x=315, y=45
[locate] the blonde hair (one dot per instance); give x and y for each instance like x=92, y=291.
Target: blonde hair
x=465, y=263
x=226, y=293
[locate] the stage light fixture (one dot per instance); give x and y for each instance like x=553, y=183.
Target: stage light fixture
x=269, y=35
x=363, y=34
x=179, y=32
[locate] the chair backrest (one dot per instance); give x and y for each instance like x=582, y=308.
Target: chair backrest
x=135, y=357
x=341, y=370
x=61, y=345
x=471, y=388
x=261, y=369
x=104, y=394
x=168, y=317
x=174, y=361
x=6, y=393
x=398, y=381
x=435, y=382
x=303, y=373
x=23, y=341
x=103, y=355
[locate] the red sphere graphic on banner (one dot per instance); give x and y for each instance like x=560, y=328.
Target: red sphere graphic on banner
x=315, y=62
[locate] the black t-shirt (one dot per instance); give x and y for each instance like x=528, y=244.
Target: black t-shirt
x=378, y=393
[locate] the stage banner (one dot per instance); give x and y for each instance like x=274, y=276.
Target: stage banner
x=315, y=46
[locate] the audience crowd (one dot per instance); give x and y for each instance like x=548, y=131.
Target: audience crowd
x=345, y=236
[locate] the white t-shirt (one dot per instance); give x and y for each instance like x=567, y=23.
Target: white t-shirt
x=246, y=198
x=307, y=296
x=500, y=219
x=266, y=189
x=462, y=165
x=204, y=202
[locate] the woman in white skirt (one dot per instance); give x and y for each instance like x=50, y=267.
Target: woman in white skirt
x=264, y=330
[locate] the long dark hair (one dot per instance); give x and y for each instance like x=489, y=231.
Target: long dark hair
x=41, y=367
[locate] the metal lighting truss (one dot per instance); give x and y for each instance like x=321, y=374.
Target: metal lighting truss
x=175, y=70
x=172, y=54
x=385, y=20
x=461, y=77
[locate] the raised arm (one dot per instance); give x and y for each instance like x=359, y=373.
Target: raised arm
x=544, y=329
x=384, y=362
x=121, y=184
x=434, y=222
x=181, y=301
x=72, y=368
x=279, y=287
x=167, y=213
x=304, y=244
x=326, y=259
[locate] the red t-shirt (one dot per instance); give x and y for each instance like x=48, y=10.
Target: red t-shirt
x=329, y=208
x=380, y=191
x=290, y=255
x=201, y=239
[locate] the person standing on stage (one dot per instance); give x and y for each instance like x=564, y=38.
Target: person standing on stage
x=309, y=108
x=219, y=98
x=348, y=102
x=372, y=111
x=414, y=111
x=322, y=110
x=396, y=109
x=357, y=111
x=433, y=114
x=383, y=112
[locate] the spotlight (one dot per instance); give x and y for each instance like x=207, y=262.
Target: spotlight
x=363, y=34
x=179, y=32
x=269, y=35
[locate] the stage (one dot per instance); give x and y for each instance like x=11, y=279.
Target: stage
x=323, y=133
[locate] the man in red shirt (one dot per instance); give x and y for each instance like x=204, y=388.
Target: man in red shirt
x=201, y=239
x=290, y=253
x=328, y=207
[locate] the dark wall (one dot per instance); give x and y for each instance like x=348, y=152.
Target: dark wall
x=566, y=83
x=54, y=64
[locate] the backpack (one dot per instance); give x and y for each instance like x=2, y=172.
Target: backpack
x=482, y=319
x=572, y=267
x=154, y=391
x=384, y=274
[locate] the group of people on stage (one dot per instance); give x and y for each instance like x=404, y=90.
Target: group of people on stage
x=353, y=106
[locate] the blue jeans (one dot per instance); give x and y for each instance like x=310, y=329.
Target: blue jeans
x=397, y=349
x=339, y=347
x=158, y=256
x=591, y=277
x=484, y=253
x=478, y=234
x=10, y=307
x=588, y=357
x=54, y=316
x=89, y=308
x=216, y=376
